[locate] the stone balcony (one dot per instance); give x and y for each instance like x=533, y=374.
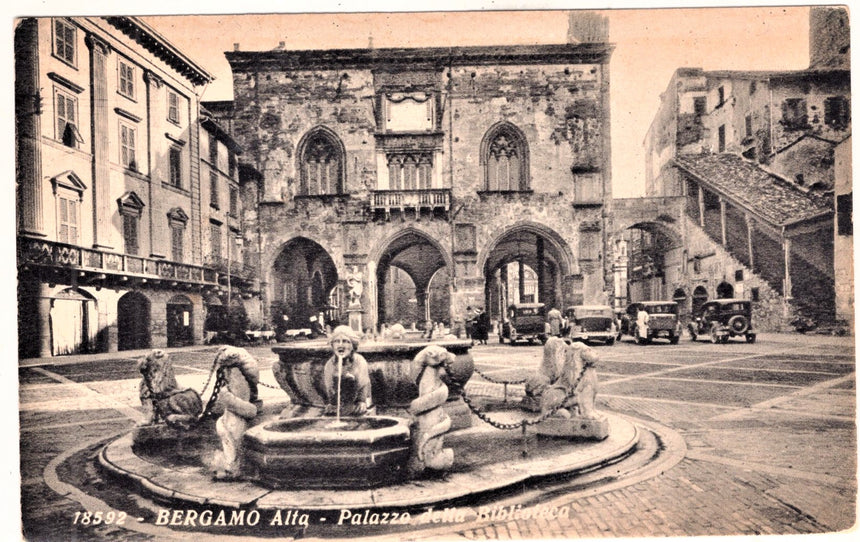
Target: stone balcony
x=435, y=201
x=71, y=264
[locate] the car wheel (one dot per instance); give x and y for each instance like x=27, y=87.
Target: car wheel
x=674, y=340
x=724, y=339
x=610, y=341
x=751, y=338
x=501, y=339
x=739, y=324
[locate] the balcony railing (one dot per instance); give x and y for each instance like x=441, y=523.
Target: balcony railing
x=400, y=200
x=53, y=254
x=235, y=268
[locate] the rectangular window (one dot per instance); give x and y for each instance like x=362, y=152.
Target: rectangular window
x=127, y=143
x=176, y=167
x=64, y=41
x=836, y=113
x=213, y=151
x=67, y=222
x=844, y=209
x=215, y=240
x=126, y=79
x=748, y=126
x=794, y=113
x=234, y=201
x=231, y=165
x=129, y=232
x=172, y=106
x=752, y=87
x=66, y=107
x=721, y=134
x=176, y=240
x=700, y=105
x=721, y=96
x=213, y=190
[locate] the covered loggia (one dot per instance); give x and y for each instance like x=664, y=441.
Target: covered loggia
x=526, y=264
x=303, y=280
x=407, y=266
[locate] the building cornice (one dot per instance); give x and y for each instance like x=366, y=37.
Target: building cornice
x=419, y=58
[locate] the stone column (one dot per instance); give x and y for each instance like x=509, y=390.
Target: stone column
x=99, y=51
x=522, y=281
x=44, y=308
x=723, y=221
x=750, y=227
x=541, y=279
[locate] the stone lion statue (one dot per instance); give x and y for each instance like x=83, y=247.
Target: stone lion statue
x=574, y=394
x=160, y=395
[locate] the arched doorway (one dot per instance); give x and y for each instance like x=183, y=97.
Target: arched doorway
x=180, y=321
x=303, y=278
x=700, y=296
x=526, y=265
x=680, y=297
x=74, y=322
x=132, y=322
x=403, y=275
x=725, y=291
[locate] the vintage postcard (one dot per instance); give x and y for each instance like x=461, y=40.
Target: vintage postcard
x=490, y=273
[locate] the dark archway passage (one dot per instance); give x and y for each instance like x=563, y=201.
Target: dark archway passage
x=303, y=275
x=133, y=322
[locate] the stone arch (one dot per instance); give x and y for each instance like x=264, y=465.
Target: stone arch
x=545, y=268
x=320, y=163
x=301, y=273
x=725, y=290
x=416, y=252
x=74, y=322
x=133, y=316
x=700, y=296
x=504, y=158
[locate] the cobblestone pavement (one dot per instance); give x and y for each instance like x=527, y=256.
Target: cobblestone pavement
x=769, y=428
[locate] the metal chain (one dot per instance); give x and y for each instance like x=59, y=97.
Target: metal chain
x=498, y=381
x=222, y=377
x=209, y=378
x=526, y=422
x=269, y=386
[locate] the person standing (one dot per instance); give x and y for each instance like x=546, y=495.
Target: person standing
x=482, y=326
x=554, y=319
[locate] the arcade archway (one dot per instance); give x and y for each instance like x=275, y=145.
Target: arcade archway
x=303, y=278
x=403, y=276
x=526, y=264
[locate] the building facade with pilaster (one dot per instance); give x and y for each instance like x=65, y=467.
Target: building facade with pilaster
x=114, y=218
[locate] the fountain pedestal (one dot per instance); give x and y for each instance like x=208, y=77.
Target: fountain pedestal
x=299, y=371
x=319, y=453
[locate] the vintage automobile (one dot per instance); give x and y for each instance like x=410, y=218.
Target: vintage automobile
x=524, y=322
x=663, y=322
x=722, y=319
x=589, y=323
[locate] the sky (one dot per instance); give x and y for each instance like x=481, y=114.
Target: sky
x=649, y=45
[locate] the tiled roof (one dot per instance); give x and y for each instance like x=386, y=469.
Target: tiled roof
x=750, y=186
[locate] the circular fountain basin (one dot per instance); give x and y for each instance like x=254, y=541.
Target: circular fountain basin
x=320, y=453
x=299, y=370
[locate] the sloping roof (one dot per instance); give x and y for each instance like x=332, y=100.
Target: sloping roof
x=751, y=187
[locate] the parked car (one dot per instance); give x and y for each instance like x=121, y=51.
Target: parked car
x=524, y=322
x=722, y=319
x=663, y=322
x=589, y=323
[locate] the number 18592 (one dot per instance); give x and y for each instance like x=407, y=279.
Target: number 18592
x=98, y=518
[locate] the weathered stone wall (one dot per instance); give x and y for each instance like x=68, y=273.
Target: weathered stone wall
x=562, y=110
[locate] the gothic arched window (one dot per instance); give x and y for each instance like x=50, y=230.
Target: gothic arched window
x=505, y=157
x=321, y=164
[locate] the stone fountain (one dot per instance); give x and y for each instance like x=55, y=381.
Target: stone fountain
x=289, y=453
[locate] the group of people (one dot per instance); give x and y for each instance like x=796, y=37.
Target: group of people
x=477, y=325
